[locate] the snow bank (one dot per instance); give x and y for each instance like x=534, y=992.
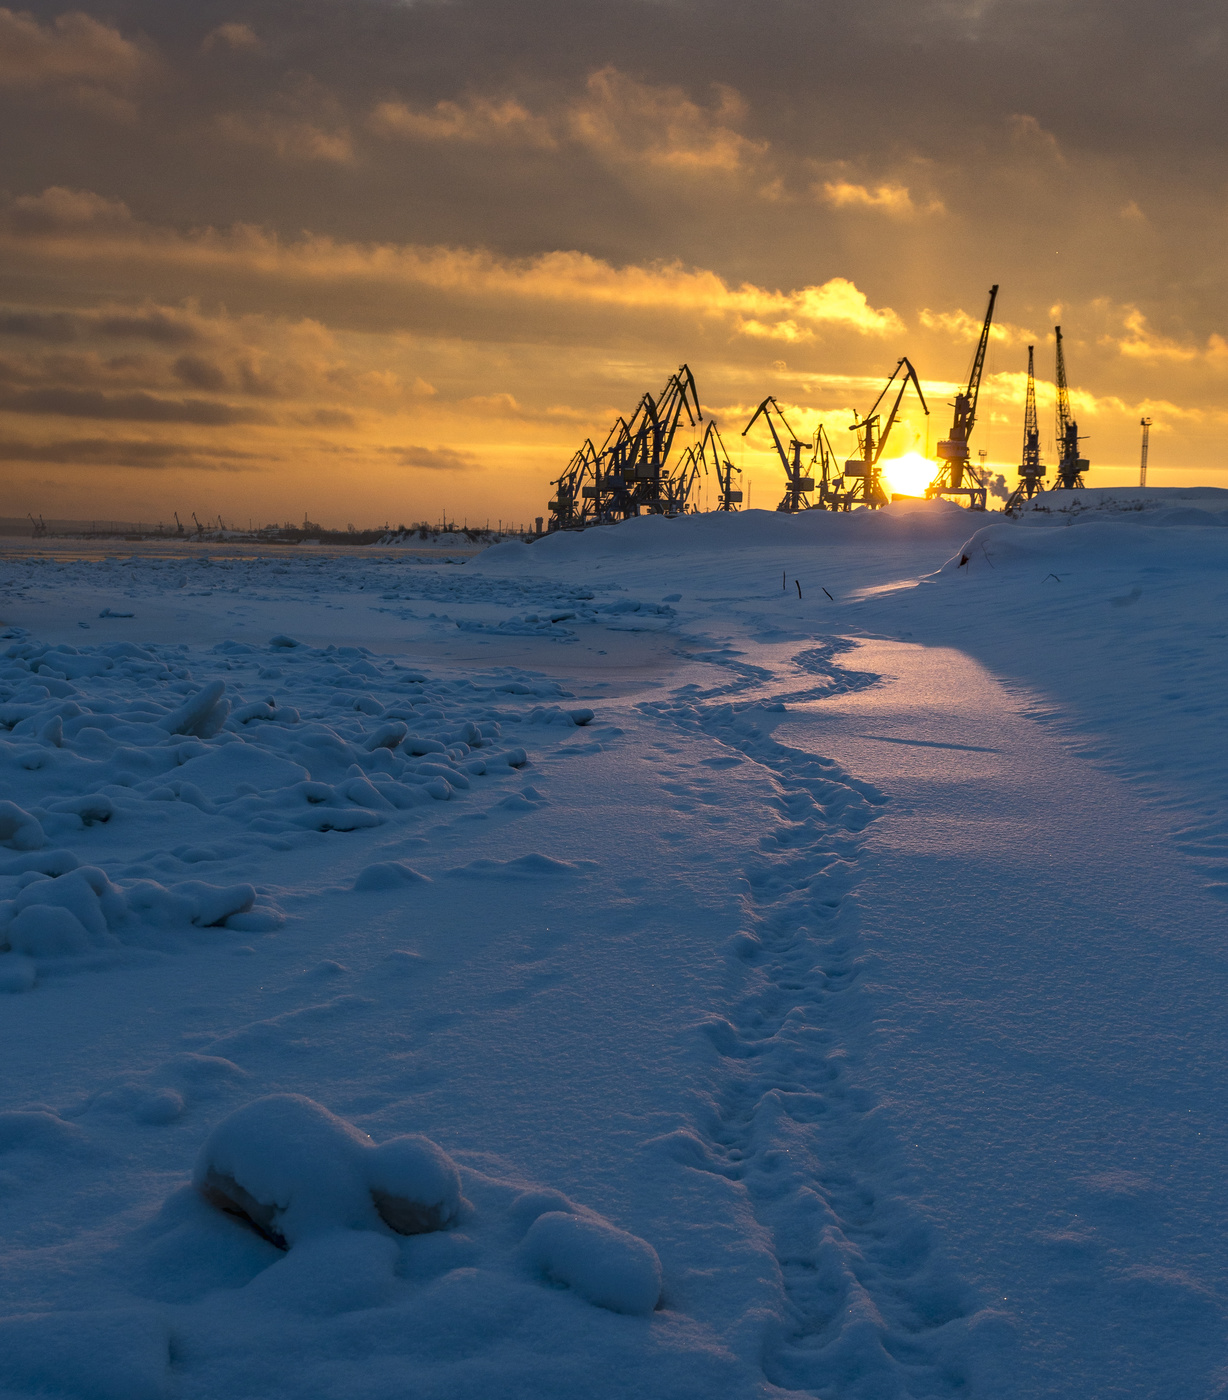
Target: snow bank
x=1092, y=542
x=655, y=536
x=297, y=1174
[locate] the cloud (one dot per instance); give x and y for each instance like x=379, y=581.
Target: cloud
x=128, y=452
x=287, y=138
x=893, y=200
x=476, y=119
x=959, y=325
x=233, y=37
x=618, y=118
x=628, y=120
x=437, y=459
x=139, y=407
x=72, y=49
x=100, y=233
x=1142, y=343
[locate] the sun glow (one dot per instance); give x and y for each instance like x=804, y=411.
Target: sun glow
x=908, y=475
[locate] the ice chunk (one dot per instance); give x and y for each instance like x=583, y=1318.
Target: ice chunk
x=19, y=829
x=605, y=1265
x=295, y=1171
x=202, y=714
x=289, y=1167
x=414, y=1184
x=387, y=875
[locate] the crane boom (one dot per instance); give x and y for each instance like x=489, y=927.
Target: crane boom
x=954, y=464
x=797, y=487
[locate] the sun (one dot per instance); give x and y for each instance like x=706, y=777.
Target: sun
x=908, y=475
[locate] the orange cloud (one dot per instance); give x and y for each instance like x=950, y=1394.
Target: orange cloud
x=893, y=200
x=78, y=227
x=618, y=118
x=477, y=120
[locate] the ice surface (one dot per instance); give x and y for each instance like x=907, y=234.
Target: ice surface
x=714, y=991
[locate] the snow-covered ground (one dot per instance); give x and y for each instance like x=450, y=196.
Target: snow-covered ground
x=731, y=956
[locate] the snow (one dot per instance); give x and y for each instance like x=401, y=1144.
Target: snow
x=596, y=968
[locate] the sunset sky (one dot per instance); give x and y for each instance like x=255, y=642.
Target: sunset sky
x=372, y=261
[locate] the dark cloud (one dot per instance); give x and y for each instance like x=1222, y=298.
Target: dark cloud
x=199, y=373
x=139, y=407
x=438, y=459
x=125, y=452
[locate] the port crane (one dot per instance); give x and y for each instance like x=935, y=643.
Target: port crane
x=630, y=474
x=1031, y=468
x=178, y=524
x=639, y=479
x=1070, y=466
x=862, y=471
x=797, y=486
x=712, y=444
x=40, y=527
x=956, y=474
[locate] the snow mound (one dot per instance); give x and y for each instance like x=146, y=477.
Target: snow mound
x=387, y=875
x=605, y=1265
x=310, y=1183
x=291, y=1169
x=78, y=913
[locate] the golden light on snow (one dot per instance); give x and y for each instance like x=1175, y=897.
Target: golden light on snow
x=908, y=475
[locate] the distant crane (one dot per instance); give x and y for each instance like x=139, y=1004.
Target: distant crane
x=797, y=486
x=40, y=527
x=1070, y=466
x=1031, y=469
x=729, y=498
x=200, y=529
x=178, y=524
x=630, y=473
x=954, y=465
x=1145, y=424
x=829, y=475
x=862, y=470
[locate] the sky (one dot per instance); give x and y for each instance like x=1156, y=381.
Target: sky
x=370, y=262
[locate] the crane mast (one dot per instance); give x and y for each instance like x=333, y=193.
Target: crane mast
x=1070, y=466
x=1031, y=469
x=956, y=474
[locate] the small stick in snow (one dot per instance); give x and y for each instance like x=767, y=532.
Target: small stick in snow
x=828, y=594
x=963, y=559
x=783, y=585
x=1047, y=577
x=799, y=588
x=988, y=560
